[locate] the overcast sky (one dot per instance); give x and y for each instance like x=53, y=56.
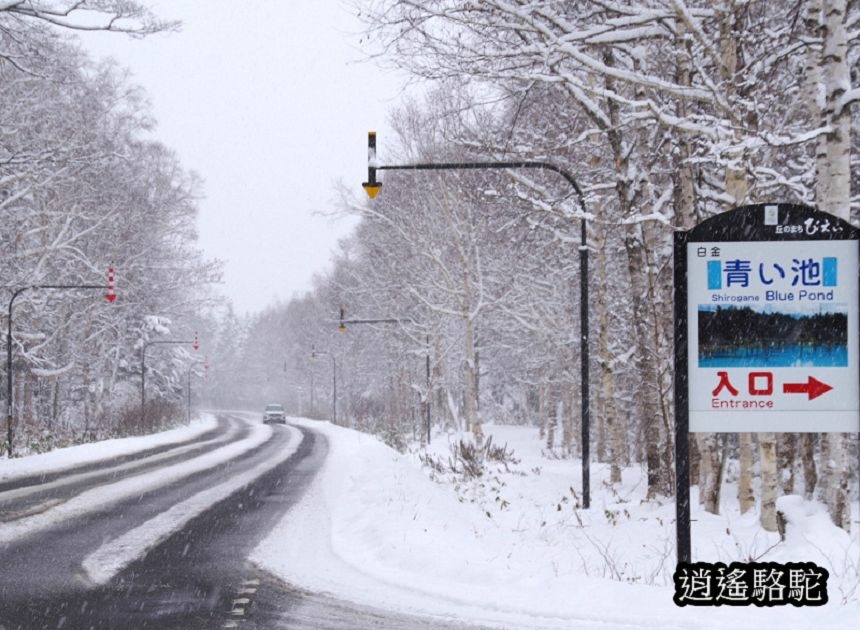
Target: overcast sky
x=270, y=102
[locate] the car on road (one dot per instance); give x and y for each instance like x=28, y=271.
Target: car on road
x=274, y=413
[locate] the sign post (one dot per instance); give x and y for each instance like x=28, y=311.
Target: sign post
x=766, y=330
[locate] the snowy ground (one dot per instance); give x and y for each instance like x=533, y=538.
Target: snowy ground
x=513, y=550
x=64, y=458
x=510, y=550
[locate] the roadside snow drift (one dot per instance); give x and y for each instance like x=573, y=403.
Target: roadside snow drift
x=64, y=458
x=512, y=549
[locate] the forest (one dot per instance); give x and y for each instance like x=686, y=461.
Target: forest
x=727, y=330
x=84, y=188
x=665, y=112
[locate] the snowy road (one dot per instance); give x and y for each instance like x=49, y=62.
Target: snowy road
x=160, y=539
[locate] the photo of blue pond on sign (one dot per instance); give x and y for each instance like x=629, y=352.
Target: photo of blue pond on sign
x=754, y=336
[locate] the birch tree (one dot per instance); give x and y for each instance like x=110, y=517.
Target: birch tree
x=833, y=97
x=80, y=191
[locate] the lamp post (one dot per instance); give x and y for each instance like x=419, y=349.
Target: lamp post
x=372, y=187
x=314, y=353
x=310, y=374
x=194, y=344
x=111, y=296
x=394, y=320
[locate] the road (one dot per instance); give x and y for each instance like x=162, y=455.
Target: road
x=198, y=576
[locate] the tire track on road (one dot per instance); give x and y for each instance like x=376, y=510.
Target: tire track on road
x=30, y=498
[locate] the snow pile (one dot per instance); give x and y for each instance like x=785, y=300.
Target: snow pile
x=106, y=494
x=513, y=548
x=811, y=537
x=64, y=458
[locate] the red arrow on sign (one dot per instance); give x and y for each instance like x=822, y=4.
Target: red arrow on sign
x=813, y=387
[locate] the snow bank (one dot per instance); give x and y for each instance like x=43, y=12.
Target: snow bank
x=512, y=549
x=106, y=494
x=64, y=458
x=811, y=537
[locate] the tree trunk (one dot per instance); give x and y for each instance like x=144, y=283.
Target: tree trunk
x=617, y=433
x=568, y=438
x=649, y=390
x=787, y=454
x=807, y=456
x=27, y=420
x=769, y=480
x=834, y=188
x=833, y=193
x=648, y=386
x=837, y=490
x=704, y=464
x=746, y=497
x=541, y=411
x=695, y=459
x=684, y=192
x=470, y=392
x=442, y=409
x=599, y=425
x=612, y=424
x=711, y=472
x=55, y=404
x=551, y=414
x=731, y=56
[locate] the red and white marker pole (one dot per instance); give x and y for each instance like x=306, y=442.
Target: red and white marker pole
x=111, y=294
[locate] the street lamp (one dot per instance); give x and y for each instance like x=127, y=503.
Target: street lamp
x=394, y=320
x=310, y=374
x=314, y=353
x=111, y=296
x=194, y=344
x=372, y=187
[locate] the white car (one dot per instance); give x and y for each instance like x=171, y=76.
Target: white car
x=274, y=413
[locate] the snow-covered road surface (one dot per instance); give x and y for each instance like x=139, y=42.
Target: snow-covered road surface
x=134, y=484
x=160, y=538
x=26, y=496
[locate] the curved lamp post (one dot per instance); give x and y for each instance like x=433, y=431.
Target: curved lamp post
x=372, y=187
x=400, y=322
x=194, y=344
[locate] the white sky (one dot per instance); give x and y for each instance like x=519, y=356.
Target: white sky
x=270, y=102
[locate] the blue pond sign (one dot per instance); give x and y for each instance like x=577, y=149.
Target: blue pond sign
x=767, y=322
x=766, y=329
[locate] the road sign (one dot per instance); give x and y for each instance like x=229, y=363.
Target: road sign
x=767, y=315
x=766, y=330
